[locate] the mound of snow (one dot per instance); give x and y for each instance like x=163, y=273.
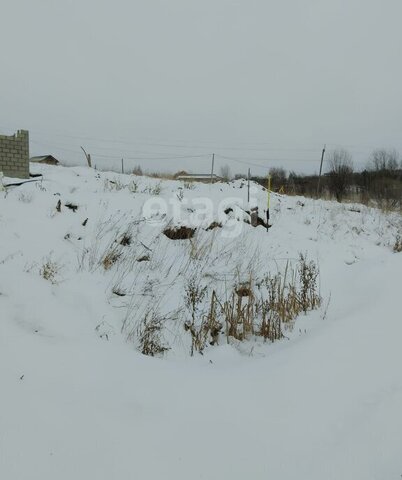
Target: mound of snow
x=79, y=401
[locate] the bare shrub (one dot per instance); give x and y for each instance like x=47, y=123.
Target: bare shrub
x=137, y=170
x=308, y=273
x=278, y=177
x=225, y=172
x=382, y=159
x=208, y=330
x=340, y=173
x=264, y=308
x=161, y=175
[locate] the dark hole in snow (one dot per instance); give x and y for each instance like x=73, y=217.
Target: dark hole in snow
x=71, y=206
x=119, y=293
x=125, y=240
x=180, y=233
x=243, y=291
x=214, y=225
x=261, y=222
x=144, y=258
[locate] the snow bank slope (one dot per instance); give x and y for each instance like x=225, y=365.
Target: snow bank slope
x=325, y=404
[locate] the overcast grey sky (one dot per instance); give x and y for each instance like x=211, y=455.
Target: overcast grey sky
x=256, y=81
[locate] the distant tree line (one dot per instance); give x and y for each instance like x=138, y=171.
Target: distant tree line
x=379, y=183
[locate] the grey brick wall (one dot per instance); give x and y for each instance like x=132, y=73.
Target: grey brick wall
x=14, y=154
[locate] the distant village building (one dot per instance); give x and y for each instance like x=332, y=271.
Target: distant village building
x=14, y=154
x=199, y=177
x=47, y=159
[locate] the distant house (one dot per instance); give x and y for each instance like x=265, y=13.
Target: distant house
x=48, y=159
x=199, y=177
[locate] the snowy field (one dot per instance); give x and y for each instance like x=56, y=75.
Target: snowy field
x=79, y=401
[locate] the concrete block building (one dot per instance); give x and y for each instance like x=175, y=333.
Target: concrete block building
x=14, y=154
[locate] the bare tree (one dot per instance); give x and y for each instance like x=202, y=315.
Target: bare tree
x=137, y=170
x=382, y=159
x=340, y=173
x=278, y=176
x=239, y=176
x=225, y=172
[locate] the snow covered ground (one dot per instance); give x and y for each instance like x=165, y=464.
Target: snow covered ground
x=78, y=400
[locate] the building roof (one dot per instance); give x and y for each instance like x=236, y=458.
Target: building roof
x=41, y=158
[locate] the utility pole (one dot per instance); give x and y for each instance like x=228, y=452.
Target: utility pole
x=212, y=169
x=122, y=166
x=268, y=199
x=319, y=176
x=248, y=187
x=88, y=157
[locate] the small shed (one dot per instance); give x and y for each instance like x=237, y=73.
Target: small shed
x=47, y=159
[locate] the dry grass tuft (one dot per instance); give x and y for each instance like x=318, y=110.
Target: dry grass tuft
x=126, y=239
x=200, y=248
x=265, y=308
x=49, y=271
x=149, y=335
x=308, y=273
x=110, y=259
x=209, y=329
x=397, y=248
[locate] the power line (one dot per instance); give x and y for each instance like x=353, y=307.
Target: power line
x=246, y=161
x=248, y=146
x=101, y=151
x=118, y=157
